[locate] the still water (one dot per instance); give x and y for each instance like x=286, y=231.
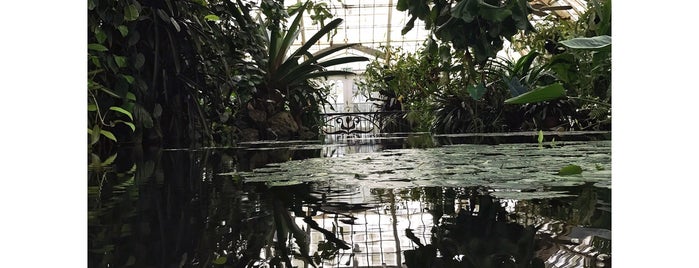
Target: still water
x=355, y=202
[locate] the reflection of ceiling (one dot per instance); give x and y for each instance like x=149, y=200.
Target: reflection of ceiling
x=377, y=23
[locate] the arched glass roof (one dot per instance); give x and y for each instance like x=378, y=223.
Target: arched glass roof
x=377, y=23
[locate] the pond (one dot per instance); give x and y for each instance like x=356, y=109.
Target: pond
x=393, y=201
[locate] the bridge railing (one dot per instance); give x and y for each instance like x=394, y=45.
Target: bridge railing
x=364, y=122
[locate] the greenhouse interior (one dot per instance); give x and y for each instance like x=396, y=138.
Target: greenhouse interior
x=347, y=133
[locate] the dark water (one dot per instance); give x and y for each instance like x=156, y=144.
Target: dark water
x=357, y=203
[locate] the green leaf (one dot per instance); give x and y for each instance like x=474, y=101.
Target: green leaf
x=100, y=35
x=123, y=30
x=212, y=17
x=121, y=110
x=596, y=42
x=138, y=61
x=476, y=92
x=570, y=170
x=220, y=260
x=108, y=134
x=128, y=78
x=97, y=47
x=91, y=107
x=131, y=125
x=546, y=93
x=109, y=160
x=120, y=61
x=130, y=13
x=541, y=137
x=130, y=96
x=94, y=134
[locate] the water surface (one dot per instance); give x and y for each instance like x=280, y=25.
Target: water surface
x=359, y=203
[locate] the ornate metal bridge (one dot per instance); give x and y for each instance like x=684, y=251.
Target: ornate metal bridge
x=363, y=122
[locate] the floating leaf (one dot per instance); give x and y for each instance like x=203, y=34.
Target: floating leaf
x=121, y=110
x=570, y=170
x=97, y=47
x=546, y=93
x=596, y=42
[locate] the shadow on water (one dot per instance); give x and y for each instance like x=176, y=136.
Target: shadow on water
x=160, y=208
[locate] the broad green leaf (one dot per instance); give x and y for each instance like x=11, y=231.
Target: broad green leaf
x=100, y=35
x=123, y=30
x=570, y=170
x=546, y=93
x=108, y=134
x=212, y=17
x=120, y=61
x=476, y=92
x=109, y=160
x=596, y=42
x=94, y=134
x=128, y=78
x=131, y=125
x=96, y=47
x=220, y=260
x=130, y=13
x=139, y=60
x=121, y=110
x=91, y=107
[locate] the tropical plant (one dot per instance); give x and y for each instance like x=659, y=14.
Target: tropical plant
x=286, y=73
x=180, y=68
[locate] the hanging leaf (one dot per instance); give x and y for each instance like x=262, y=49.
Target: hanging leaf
x=123, y=30
x=108, y=134
x=596, y=42
x=128, y=78
x=100, y=35
x=109, y=160
x=476, y=92
x=120, y=61
x=131, y=125
x=121, y=110
x=130, y=13
x=97, y=47
x=94, y=134
x=546, y=93
x=138, y=61
x=570, y=170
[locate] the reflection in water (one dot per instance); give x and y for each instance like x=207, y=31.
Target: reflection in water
x=169, y=209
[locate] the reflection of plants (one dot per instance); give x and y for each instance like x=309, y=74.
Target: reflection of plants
x=480, y=237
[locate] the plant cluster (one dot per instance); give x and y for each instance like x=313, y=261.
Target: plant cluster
x=184, y=73
x=446, y=91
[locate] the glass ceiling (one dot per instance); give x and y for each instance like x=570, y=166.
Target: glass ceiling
x=377, y=23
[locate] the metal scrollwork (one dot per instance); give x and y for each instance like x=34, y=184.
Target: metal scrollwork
x=349, y=123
